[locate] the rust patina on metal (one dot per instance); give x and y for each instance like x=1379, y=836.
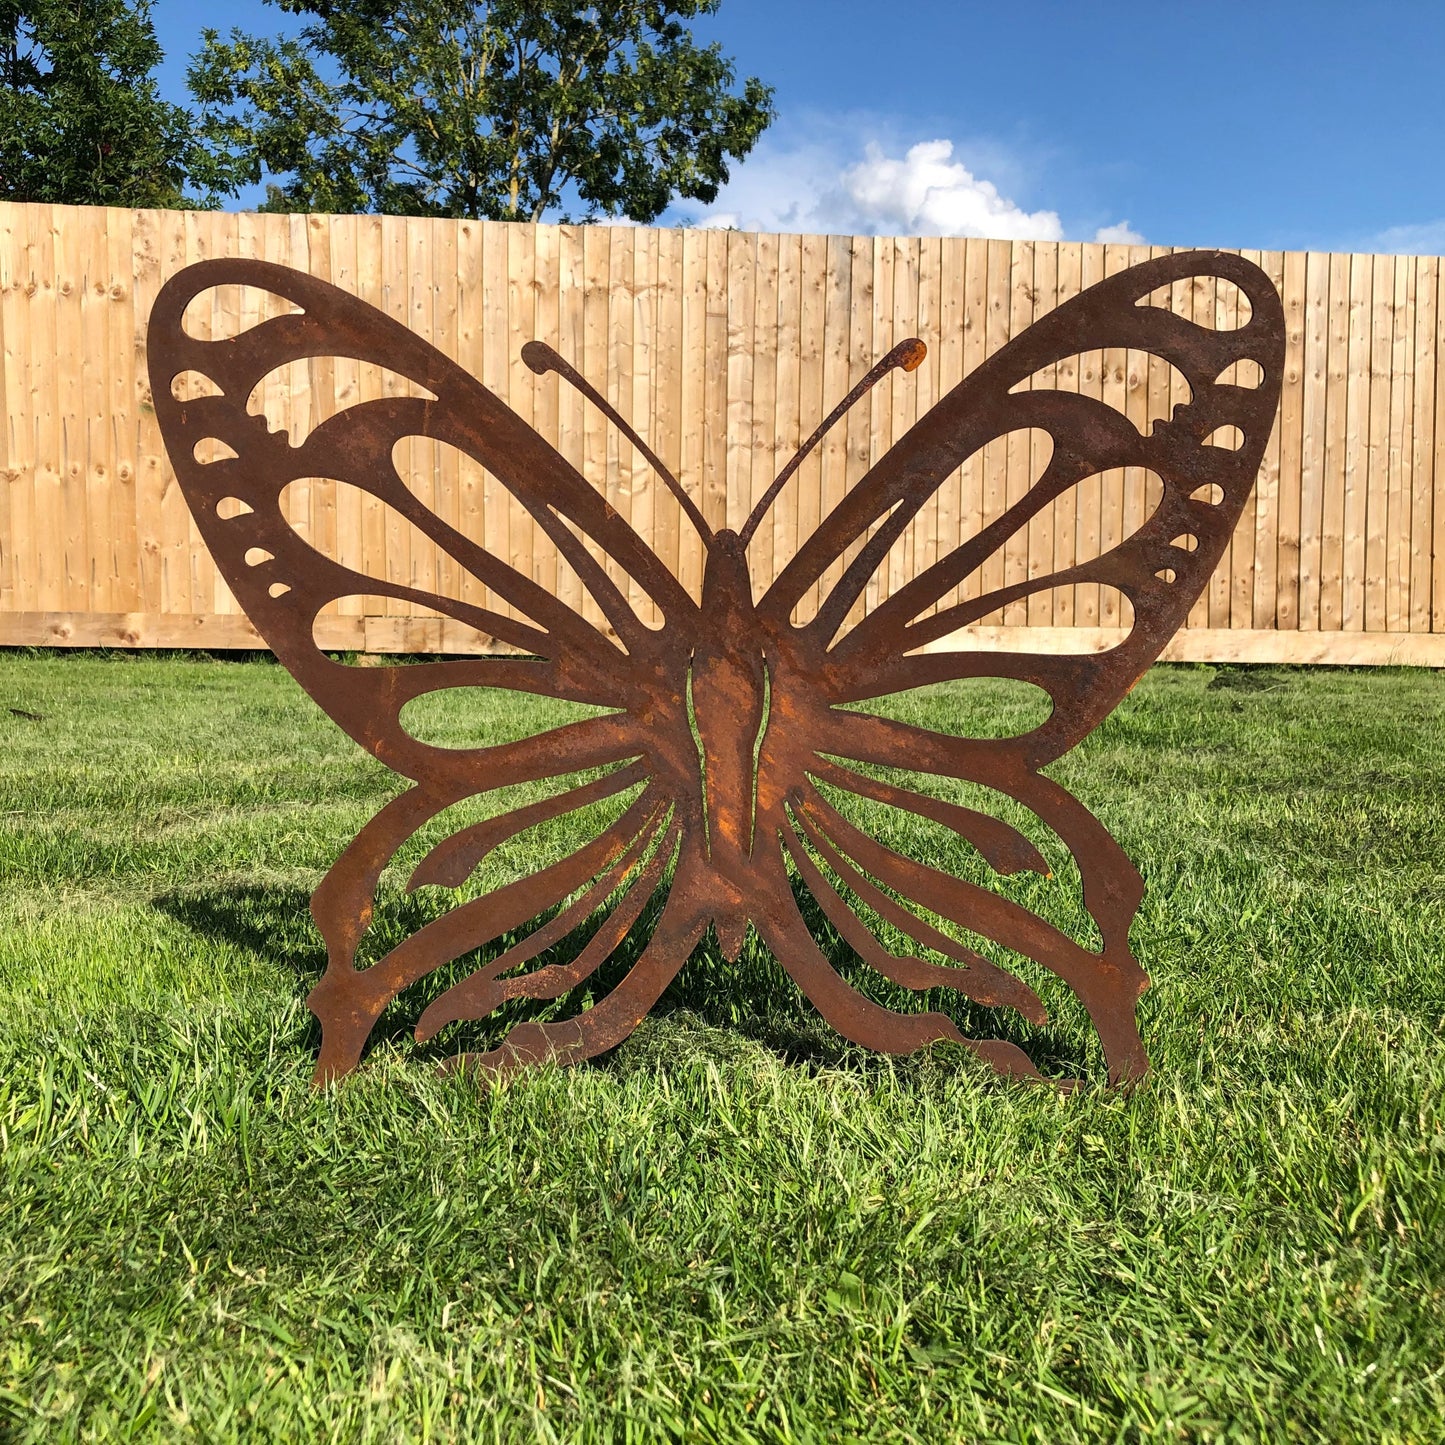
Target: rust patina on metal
x=728, y=730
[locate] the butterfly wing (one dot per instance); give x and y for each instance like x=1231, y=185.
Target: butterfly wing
x=1161, y=568
x=283, y=583
x=283, y=592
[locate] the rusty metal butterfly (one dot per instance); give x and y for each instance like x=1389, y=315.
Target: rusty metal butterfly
x=734, y=731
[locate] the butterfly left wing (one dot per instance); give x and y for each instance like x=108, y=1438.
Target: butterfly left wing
x=283, y=582
x=283, y=592
x=1160, y=568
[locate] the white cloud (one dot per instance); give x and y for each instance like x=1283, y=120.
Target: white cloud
x=821, y=184
x=928, y=193
x=1121, y=233
x=1425, y=238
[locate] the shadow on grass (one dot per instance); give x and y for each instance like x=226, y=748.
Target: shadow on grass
x=752, y=999
x=271, y=921
x=1248, y=677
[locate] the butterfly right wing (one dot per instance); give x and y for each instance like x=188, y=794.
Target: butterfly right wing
x=283, y=583
x=854, y=875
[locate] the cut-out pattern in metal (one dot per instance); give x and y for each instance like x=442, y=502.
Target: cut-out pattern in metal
x=728, y=731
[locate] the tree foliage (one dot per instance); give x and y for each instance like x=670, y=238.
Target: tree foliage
x=81, y=119
x=507, y=109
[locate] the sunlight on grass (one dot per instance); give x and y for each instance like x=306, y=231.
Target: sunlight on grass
x=483, y=717
x=736, y=1227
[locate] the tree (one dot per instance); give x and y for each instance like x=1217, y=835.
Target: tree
x=81, y=120
x=505, y=109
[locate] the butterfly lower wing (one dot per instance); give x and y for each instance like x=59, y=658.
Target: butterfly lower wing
x=613, y=873
x=680, y=924
x=870, y=892
x=348, y=1000
x=896, y=646
x=785, y=931
x=907, y=894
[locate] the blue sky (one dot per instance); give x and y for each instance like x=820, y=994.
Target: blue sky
x=1274, y=124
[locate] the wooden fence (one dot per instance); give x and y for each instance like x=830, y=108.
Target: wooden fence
x=725, y=349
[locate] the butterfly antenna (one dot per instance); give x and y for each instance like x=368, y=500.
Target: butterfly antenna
x=907, y=354
x=541, y=359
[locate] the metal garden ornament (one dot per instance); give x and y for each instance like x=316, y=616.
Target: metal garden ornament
x=732, y=725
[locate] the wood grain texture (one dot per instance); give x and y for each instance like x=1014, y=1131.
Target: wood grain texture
x=1313, y=417
x=724, y=350
x=1422, y=442
x=1335, y=446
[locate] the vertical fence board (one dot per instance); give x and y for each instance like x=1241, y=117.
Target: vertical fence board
x=742, y=270
x=903, y=411
x=595, y=354
x=694, y=373
x=1377, y=488
x=1158, y=401
x=857, y=426
x=1313, y=372
x=995, y=458
x=47, y=559
x=621, y=476
x=1437, y=585
x=1137, y=490
x=714, y=418
x=668, y=417
x=1090, y=489
x=806, y=486
x=1400, y=453
x=1357, y=434
x=837, y=336
x=1065, y=513
x=1018, y=448
x=17, y=510
x=1422, y=442
x=74, y=249
x=207, y=235
x=343, y=255
x=1278, y=542
x=778, y=528
x=1041, y=609
x=1336, y=446
x=637, y=407
x=924, y=382
x=99, y=564
x=947, y=355
x=572, y=407
x=764, y=443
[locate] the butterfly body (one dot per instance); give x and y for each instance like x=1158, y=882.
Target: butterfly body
x=729, y=693
x=732, y=735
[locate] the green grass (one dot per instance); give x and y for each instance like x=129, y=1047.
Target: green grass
x=734, y=1227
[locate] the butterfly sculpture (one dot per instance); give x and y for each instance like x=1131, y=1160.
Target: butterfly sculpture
x=730, y=726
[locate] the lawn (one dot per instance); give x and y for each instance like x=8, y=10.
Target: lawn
x=734, y=1227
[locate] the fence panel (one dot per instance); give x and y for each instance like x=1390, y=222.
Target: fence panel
x=724, y=350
